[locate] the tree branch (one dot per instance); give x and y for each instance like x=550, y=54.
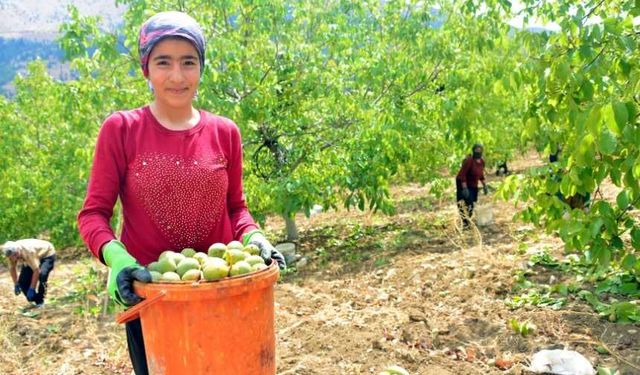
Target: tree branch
x=595, y=58
x=591, y=11
x=251, y=91
x=422, y=85
x=629, y=206
x=382, y=93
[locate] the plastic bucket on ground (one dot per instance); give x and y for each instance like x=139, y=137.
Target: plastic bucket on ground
x=224, y=327
x=484, y=214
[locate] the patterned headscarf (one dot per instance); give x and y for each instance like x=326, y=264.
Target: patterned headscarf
x=168, y=24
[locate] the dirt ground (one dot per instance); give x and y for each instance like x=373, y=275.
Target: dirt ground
x=409, y=290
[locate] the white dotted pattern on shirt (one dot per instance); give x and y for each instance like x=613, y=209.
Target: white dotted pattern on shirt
x=184, y=198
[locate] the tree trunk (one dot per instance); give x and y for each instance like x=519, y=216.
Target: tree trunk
x=292, y=229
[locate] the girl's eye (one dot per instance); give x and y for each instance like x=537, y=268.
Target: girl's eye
x=162, y=62
x=190, y=62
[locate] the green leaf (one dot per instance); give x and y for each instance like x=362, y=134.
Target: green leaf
x=630, y=181
x=586, y=151
x=616, y=176
x=616, y=243
x=636, y=170
x=629, y=262
x=602, y=255
x=622, y=200
x=595, y=226
x=625, y=67
x=621, y=114
x=602, y=350
x=607, y=142
x=605, y=370
x=610, y=119
x=587, y=90
x=632, y=109
x=635, y=238
x=563, y=71
x=593, y=121
x=628, y=288
x=627, y=312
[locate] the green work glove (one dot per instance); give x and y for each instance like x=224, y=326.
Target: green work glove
x=124, y=270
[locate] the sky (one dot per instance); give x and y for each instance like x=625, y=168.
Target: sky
x=518, y=21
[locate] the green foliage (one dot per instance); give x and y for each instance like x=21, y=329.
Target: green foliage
x=607, y=371
x=581, y=89
x=543, y=258
x=536, y=298
x=43, y=140
x=624, y=312
x=89, y=292
x=523, y=328
x=613, y=294
x=335, y=101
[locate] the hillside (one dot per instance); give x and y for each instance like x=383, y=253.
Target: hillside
x=29, y=28
x=35, y=19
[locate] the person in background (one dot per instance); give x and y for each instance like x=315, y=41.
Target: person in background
x=502, y=168
x=579, y=200
x=471, y=172
x=37, y=259
x=176, y=169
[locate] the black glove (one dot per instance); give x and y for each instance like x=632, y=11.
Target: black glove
x=124, y=281
x=465, y=193
x=267, y=251
x=17, y=290
x=485, y=189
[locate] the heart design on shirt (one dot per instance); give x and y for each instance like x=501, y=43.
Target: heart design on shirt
x=185, y=198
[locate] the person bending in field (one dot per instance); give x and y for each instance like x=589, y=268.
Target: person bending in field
x=176, y=169
x=502, y=168
x=36, y=259
x=471, y=172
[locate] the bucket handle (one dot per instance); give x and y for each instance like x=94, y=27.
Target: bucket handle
x=134, y=312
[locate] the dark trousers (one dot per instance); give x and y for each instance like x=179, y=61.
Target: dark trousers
x=135, y=343
x=465, y=205
x=26, y=273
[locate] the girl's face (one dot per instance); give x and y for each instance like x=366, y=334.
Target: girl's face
x=174, y=72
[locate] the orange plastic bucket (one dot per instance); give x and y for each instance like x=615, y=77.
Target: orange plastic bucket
x=224, y=327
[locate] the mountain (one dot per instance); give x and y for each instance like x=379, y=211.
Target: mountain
x=37, y=19
x=29, y=28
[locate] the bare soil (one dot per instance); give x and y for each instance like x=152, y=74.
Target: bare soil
x=411, y=290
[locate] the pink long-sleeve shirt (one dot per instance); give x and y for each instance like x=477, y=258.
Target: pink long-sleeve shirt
x=178, y=188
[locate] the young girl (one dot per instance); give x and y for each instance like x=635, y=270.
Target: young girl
x=176, y=169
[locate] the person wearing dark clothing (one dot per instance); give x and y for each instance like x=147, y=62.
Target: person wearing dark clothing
x=502, y=168
x=580, y=201
x=470, y=174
